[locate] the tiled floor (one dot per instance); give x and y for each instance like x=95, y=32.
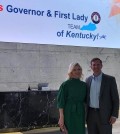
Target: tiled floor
x=55, y=130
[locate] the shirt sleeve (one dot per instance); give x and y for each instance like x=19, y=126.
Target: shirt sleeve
x=61, y=97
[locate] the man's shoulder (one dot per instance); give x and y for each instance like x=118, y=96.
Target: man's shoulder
x=108, y=76
x=89, y=77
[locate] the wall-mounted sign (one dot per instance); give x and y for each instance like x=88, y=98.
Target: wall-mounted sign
x=61, y=22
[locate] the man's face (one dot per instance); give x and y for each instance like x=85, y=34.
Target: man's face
x=96, y=66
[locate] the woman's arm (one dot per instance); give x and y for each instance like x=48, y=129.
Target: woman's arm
x=61, y=119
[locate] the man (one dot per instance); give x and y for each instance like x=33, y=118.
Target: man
x=102, y=100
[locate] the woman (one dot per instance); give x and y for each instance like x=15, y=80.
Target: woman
x=70, y=101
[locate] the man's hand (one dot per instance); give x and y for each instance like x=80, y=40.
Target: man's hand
x=112, y=120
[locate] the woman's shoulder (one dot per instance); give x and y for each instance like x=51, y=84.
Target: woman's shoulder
x=66, y=82
x=83, y=83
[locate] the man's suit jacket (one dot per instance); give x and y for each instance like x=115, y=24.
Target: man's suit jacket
x=108, y=98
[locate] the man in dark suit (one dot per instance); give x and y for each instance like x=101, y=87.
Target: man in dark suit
x=102, y=100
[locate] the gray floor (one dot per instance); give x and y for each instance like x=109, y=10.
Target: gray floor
x=55, y=130
x=116, y=130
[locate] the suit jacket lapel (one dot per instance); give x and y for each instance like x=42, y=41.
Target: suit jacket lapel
x=89, y=84
x=102, y=84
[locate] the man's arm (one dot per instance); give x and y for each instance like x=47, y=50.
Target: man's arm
x=115, y=98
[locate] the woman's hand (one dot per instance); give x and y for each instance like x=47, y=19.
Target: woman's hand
x=61, y=123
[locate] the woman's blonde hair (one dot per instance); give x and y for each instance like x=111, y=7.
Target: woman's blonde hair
x=71, y=67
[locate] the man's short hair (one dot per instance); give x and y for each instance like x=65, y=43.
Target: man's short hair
x=94, y=59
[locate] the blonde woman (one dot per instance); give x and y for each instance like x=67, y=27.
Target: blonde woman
x=70, y=101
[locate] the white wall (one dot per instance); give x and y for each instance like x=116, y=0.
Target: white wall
x=24, y=64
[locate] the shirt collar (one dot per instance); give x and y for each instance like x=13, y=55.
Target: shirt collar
x=98, y=77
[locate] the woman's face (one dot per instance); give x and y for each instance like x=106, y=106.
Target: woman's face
x=77, y=71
